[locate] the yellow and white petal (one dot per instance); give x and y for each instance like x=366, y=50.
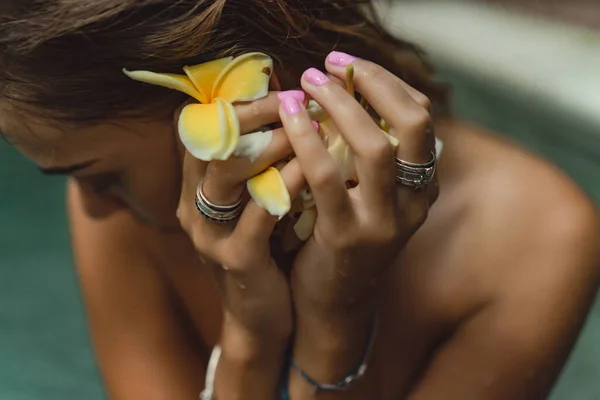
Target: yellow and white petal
x=172, y=81
x=268, y=190
x=204, y=76
x=253, y=144
x=233, y=130
x=305, y=225
x=246, y=78
x=344, y=157
x=316, y=112
x=203, y=129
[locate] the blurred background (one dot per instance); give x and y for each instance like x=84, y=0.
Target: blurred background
x=528, y=69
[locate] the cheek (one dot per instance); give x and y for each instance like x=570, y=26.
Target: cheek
x=151, y=181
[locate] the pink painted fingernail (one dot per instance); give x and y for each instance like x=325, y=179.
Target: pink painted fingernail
x=290, y=105
x=315, y=77
x=340, y=59
x=296, y=94
x=315, y=124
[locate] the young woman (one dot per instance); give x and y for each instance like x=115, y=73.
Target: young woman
x=478, y=296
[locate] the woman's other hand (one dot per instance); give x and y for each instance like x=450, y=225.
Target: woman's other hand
x=359, y=232
x=255, y=293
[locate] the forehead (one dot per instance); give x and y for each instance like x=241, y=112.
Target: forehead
x=18, y=126
x=50, y=143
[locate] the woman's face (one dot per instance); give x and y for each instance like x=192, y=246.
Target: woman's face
x=133, y=161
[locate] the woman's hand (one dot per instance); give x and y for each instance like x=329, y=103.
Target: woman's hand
x=359, y=232
x=256, y=298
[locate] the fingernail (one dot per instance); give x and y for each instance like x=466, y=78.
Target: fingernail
x=296, y=94
x=315, y=124
x=339, y=58
x=290, y=105
x=315, y=77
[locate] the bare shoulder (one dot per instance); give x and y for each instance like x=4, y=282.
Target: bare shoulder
x=525, y=212
x=530, y=237
x=514, y=271
x=519, y=200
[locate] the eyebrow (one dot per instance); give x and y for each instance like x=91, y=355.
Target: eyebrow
x=67, y=170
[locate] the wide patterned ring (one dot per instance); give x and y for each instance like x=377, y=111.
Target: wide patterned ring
x=416, y=176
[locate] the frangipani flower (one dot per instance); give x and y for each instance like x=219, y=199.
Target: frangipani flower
x=210, y=130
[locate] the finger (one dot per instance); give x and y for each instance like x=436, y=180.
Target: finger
x=256, y=114
x=193, y=170
x=202, y=232
x=417, y=96
x=224, y=180
x=407, y=112
x=358, y=128
x=371, y=147
x=256, y=224
x=321, y=171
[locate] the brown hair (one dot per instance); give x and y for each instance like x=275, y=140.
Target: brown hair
x=63, y=58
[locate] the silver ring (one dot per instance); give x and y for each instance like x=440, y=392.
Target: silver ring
x=416, y=176
x=214, y=212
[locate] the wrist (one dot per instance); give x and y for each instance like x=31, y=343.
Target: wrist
x=328, y=350
x=252, y=348
x=248, y=364
x=336, y=296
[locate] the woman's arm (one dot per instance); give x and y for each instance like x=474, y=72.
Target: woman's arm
x=359, y=232
x=142, y=346
x=330, y=351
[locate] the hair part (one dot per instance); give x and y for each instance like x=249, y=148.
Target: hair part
x=64, y=58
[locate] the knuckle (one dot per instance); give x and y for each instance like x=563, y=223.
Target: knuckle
x=221, y=176
x=420, y=120
x=253, y=114
x=325, y=177
x=369, y=71
x=233, y=260
x=216, y=170
x=331, y=92
x=423, y=101
x=236, y=259
x=378, y=149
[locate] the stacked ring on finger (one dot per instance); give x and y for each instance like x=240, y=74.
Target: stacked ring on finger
x=214, y=212
x=416, y=176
